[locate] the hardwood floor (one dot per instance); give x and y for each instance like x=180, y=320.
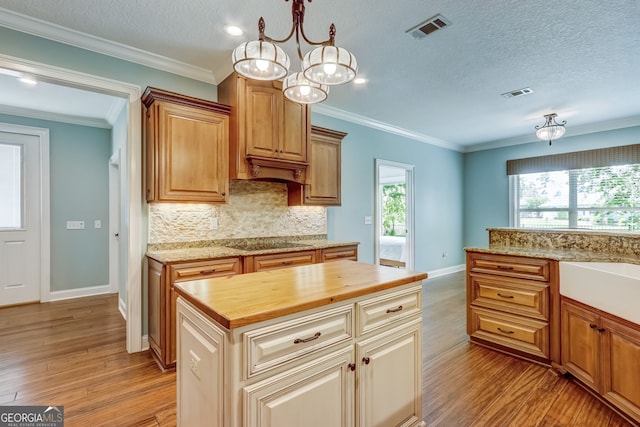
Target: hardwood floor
x=72, y=353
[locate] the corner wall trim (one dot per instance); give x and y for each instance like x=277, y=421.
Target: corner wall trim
x=122, y=306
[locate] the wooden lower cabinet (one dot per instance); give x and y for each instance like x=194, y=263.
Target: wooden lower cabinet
x=513, y=305
x=348, y=376
x=162, y=299
x=603, y=352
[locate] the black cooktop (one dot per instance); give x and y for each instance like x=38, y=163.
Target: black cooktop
x=261, y=246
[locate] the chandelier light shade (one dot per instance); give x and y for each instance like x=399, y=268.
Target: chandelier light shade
x=551, y=129
x=260, y=60
x=324, y=66
x=299, y=89
x=330, y=65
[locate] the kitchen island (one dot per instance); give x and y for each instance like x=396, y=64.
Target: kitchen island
x=333, y=344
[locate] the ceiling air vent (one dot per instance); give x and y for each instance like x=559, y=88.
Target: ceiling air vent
x=518, y=92
x=427, y=27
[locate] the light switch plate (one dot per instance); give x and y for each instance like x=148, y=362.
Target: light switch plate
x=97, y=224
x=368, y=220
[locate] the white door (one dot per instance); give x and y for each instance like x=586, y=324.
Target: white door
x=20, y=218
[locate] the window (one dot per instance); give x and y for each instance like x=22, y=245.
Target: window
x=605, y=198
x=10, y=186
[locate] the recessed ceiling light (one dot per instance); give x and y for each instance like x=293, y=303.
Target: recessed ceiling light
x=233, y=30
x=28, y=80
x=360, y=81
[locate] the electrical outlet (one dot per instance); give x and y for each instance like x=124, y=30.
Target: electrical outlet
x=194, y=364
x=213, y=224
x=75, y=225
x=444, y=254
x=368, y=220
x=97, y=224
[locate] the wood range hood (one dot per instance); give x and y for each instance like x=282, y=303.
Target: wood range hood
x=268, y=134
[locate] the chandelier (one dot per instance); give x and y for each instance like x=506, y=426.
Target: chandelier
x=551, y=129
x=326, y=65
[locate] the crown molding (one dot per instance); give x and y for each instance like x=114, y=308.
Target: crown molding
x=55, y=117
x=385, y=127
x=40, y=28
x=602, y=126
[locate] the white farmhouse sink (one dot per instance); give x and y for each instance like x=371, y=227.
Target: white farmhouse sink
x=609, y=286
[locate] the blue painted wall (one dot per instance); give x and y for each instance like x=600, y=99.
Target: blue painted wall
x=486, y=185
x=438, y=193
x=79, y=191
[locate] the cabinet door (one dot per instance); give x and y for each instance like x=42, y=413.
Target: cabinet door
x=263, y=103
x=157, y=294
x=294, y=136
x=390, y=378
x=621, y=365
x=318, y=394
x=200, y=368
x=193, y=154
x=580, y=344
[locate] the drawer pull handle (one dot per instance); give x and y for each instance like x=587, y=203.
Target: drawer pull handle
x=366, y=360
x=504, y=331
x=504, y=267
x=394, y=310
x=352, y=366
x=592, y=326
x=303, y=340
x=601, y=330
x=505, y=296
x=213, y=270
x=287, y=262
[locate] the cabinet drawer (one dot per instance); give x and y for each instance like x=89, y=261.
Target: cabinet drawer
x=526, y=335
x=274, y=261
x=205, y=269
x=377, y=312
x=280, y=343
x=510, y=266
x=335, y=254
x=515, y=296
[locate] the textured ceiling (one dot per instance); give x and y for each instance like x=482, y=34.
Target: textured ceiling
x=580, y=57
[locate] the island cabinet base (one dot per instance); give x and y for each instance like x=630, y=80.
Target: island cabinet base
x=351, y=363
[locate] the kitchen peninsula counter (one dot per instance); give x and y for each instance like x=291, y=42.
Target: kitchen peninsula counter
x=557, y=254
x=317, y=345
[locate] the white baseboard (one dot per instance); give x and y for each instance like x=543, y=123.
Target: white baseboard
x=80, y=292
x=122, y=306
x=145, y=342
x=445, y=271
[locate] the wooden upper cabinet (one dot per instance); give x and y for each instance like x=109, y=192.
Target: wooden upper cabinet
x=269, y=134
x=187, y=148
x=323, y=183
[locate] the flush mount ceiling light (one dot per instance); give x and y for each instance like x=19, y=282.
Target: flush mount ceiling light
x=324, y=66
x=551, y=129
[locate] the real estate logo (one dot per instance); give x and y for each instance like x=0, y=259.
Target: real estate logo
x=31, y=416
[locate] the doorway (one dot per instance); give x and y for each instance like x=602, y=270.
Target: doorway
x=131, y=195
x=394, y=231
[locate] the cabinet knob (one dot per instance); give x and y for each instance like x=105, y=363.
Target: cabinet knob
x=601, y=330
x=224, y=193
x=352, y=366
x=592, y=326
x=366, y=360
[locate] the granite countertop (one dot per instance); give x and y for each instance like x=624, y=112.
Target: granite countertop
x=556, y=254
x=250, y=298
x=214, y=250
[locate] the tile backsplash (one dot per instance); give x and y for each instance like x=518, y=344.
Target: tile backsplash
x=255, y=209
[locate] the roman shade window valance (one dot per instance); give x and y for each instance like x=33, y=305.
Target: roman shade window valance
x=612, y=156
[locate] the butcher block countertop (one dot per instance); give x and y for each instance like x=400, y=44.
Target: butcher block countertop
x=250, y=298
